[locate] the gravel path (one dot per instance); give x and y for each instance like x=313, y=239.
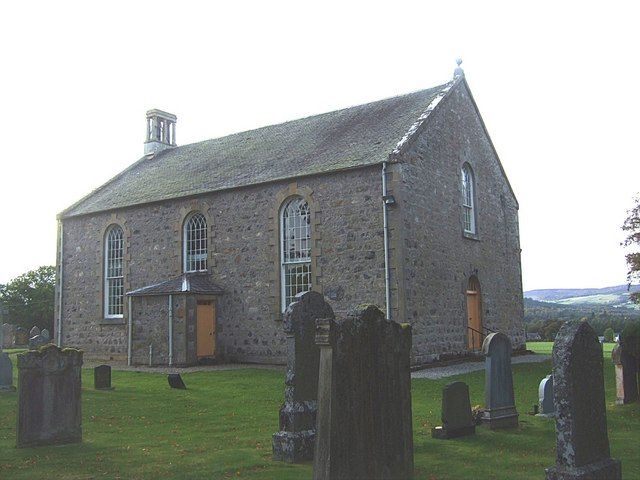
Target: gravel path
x=450, y=370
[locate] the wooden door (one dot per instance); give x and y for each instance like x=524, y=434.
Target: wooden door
x=206, y=328
x=474, y=314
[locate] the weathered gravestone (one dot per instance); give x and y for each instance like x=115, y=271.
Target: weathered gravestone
x=582, y=443
x=457, y=419
x=545, y=397
x=175, y=381
x=22, y=336
x=500, y=409
x=296, y=439
x=6, y=373
x=364, y=428
x=45, y=335
x=37, y=341
x=626, y=376
x=34, y=331
x=102, y=377
x=49, y=388
x=8, y=335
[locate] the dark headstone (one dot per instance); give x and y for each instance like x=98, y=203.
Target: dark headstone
x=457, y=419
x=626, y=367
x=22, y=336
x=296, y=438
x=6, y=373
x=36, y=342
x=545, y=397
x=582, y=443
x=500, y=408
x=364, y=427
x=175, y=381
x=49, y=388
x=102, y=377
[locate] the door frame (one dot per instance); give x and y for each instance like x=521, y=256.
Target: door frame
x=213, y=300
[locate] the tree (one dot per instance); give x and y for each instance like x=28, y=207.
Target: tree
x=29, y=299
x=609, y=334
x=632, y=227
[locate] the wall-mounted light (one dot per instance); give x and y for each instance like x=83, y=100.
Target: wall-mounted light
x=389, y=199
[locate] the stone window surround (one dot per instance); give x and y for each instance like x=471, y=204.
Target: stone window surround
x=472, y=235
x=184, y=214
x=293, y=190
x=185, y=226
x=114, y=219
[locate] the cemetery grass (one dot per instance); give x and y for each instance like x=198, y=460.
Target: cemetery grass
x=221, y=428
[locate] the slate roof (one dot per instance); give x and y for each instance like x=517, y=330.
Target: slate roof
x=349, y=138
x=198, y=283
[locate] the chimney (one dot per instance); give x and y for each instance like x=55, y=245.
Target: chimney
x=161, y=131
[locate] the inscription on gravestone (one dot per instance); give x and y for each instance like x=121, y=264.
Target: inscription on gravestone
x=295, y=440
x=49, y=389
x=457, y=419
x=102, y=377
x=500, y=409
x=364, y=425
x=582, y=443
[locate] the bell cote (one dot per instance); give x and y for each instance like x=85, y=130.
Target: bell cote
x=161, y=131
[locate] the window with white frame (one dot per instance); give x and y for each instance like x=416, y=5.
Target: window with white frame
x=468, y=205
x=295, y=249
x=114, y=272
x=195, y=243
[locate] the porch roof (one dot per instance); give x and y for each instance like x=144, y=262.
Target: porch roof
x=195, y=283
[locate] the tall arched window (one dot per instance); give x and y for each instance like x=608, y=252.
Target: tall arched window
x=114, y=272
x=195, y=243
x=295, y=249
x=468, y=203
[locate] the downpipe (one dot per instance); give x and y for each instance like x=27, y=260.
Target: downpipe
x=385, y=222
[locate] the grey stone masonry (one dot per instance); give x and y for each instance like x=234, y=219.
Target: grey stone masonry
x=49, y=406
x=457, y=419
x=296, y=439
x=364, y=425
x=6, y=373
x=545, y=397
x=582, y=443
x=500, y=408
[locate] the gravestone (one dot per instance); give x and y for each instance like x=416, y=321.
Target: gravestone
x=582, y=443
x=364, y=424
x=102, y=377
x=45, y=335
x=8, y=336
x=6, y=373
x=37, y=341
x=49, y=389
x=500, y=409
x=545, y=397
x=457, y=419
x=34, y=331
x=22, y=337
x=626, y=367
x=296, y=438
x=175, y=381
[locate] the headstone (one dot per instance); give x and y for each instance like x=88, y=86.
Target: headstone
x=500, y=408
x=364, y=424
x=22, y=337
x=49, y=389
x=37, y=341
x=582, y=443
x=45, y=335
x=545, y=397
x=175, y=381
x=34, y=331
x=457, y=419
x=296, y=438
x=8, y=336
x=6, y=373
x=102, y=377
x=626, y=367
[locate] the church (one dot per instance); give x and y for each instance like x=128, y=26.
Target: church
x=193, y=253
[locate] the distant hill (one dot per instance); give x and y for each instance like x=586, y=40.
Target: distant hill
x=614, y=297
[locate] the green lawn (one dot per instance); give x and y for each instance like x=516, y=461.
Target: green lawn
x=547, y=347
x=221, y=428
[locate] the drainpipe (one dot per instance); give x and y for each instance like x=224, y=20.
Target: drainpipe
x=60, y=260
x=170, y=330
x=385, y=222
x=130, y=339
x=150, y=354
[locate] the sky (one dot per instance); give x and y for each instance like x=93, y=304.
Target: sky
x=556, y=84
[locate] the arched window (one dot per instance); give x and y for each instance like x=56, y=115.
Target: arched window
x=295, y=249
x=468, y=201
x=114, y=272
x=195, y=243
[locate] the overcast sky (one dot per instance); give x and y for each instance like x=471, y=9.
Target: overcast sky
x=556, y=83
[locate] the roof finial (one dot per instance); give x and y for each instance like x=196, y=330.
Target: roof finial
x=458, y=72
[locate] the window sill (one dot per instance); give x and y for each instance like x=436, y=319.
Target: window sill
x=112, y=321
x=471, y=236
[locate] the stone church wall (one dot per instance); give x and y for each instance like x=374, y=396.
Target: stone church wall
x=348, y=265
x=438, y=259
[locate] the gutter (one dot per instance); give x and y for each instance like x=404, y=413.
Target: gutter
x=60, y=259
x=386, y=200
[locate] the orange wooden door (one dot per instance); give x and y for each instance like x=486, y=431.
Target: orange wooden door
x=206, y=329
x=474, y=314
